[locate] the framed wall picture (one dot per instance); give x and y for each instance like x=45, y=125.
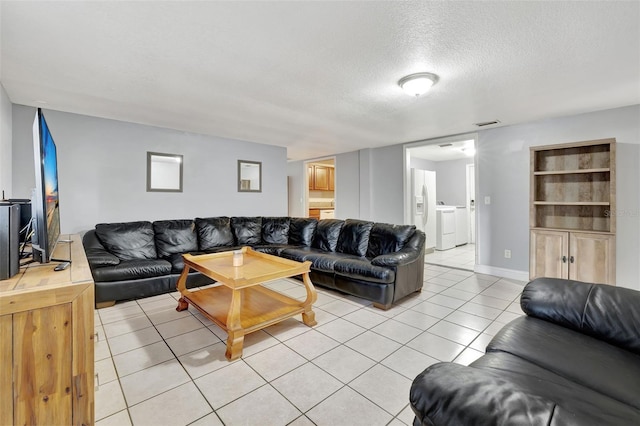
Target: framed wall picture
x=164, y=172
x=249, y=176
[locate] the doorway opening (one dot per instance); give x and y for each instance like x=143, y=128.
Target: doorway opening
x=320, y=200
x=440, y=198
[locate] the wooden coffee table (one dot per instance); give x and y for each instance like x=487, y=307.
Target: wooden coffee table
x=241, y=305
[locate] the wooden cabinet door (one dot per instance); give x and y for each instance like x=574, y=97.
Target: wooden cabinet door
x=311, y=176
x=6, y=370
x=42, y=366
x=321, y=178
x=548, y=255
x=591, y=257
x=332, y=177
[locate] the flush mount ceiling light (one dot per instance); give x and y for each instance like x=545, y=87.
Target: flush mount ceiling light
x=417, y=84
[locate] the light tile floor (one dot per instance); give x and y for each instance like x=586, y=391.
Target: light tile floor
x=463, y=257
x=157, y=366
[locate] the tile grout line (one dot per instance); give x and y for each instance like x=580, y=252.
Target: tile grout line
x=360, y=307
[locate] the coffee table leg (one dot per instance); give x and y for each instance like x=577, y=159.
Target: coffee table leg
x=235, y=333
x=182, y=288
x=308, y=316
x=182, y=305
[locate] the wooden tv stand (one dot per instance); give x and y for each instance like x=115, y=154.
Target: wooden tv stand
x=46, y=342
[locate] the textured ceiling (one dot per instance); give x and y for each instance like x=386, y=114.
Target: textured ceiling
x=320, y=77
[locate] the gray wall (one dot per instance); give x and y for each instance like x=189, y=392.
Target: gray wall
x=348, y=184
x=503, y=174
x=5, y=144
x=451, y=181
x=422, y=164
x=102, y=171
x=296, y=180
x=386, y=189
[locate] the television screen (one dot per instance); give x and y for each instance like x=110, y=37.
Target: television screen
x=46, y=210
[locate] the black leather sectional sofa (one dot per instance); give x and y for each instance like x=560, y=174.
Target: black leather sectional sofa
x=573, y=360
x=376, y=261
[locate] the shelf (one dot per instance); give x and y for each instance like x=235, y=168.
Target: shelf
x=571, y=172
x=571, y=203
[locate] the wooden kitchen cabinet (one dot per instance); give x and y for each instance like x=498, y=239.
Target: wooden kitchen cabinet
x=572, y=211
x=311, y=178
x=321, y=178
x=46, y=342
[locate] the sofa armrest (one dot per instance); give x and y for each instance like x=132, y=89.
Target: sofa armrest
x=97, y=258
x=452, y=394
x=608, y=313
x=410, y=252
x=395, y=259
x=97, y=255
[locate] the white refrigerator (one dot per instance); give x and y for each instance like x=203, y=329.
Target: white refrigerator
x=423, y=202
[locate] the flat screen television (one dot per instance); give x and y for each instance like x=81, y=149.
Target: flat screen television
x=45, y=205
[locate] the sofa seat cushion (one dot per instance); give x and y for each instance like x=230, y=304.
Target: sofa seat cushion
x=132, y=269
x=385, y=238
x=574, y=401
x=327, y=234
x=582, y=359
x=362, y=269
x=324, y=262
x=176, y=261
x=214, y=232
x=247, y=230
x=354, y=237
x=298, y=254
x=504, y=389
x=175, y=236
x=275, y=230
x=127, y=241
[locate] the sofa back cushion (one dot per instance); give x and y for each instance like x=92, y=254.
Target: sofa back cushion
x=248, y=230
x=302, y=231
x=214, y=232
x=128, y=240
x=354, y=237
x=606, y=312
x=386, y=238
x=327, y=234
x=175, y=236
x=275, y=230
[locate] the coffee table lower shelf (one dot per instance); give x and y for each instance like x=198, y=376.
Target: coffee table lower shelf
x=260, y=307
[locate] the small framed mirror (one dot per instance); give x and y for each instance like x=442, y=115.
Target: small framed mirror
x=249, y=176
x=164, y=172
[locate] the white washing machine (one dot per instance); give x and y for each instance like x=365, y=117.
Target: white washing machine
x=445, y=227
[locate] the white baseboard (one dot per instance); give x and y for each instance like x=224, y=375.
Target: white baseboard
x=502, y=272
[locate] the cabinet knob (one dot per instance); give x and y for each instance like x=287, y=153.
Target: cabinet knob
x=564, y=259
x=571, y=259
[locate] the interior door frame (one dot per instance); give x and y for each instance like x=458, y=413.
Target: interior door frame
x=305, y=188
x=406, y=171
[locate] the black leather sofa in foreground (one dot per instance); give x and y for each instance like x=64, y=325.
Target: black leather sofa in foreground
x=573, y=360
x=376, y=261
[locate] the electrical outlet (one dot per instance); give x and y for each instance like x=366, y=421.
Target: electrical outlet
x=507, y=254
x=487, y=199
